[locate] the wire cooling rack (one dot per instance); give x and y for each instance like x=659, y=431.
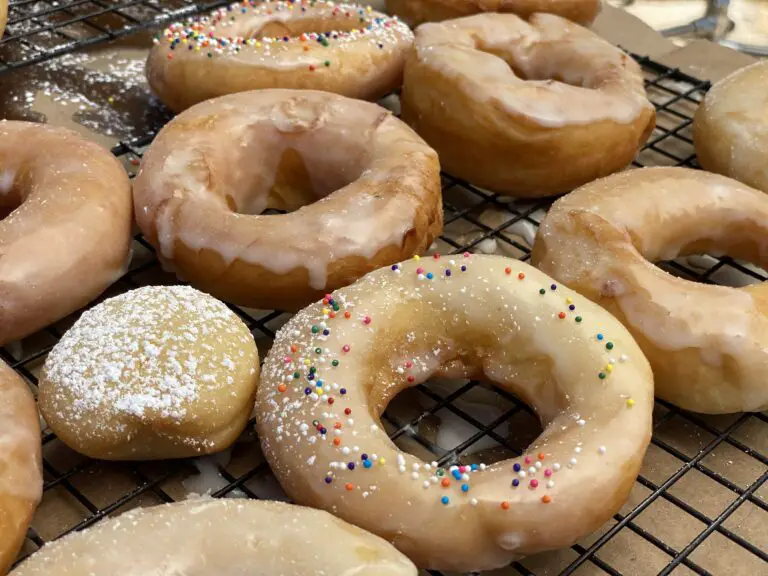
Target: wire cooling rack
x=699, y=504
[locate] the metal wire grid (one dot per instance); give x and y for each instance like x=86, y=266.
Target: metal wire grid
x=39, y=30
x=468, y=227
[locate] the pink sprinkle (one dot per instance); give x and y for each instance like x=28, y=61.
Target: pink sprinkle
x=367, y=320
x=547, y=472
x=527, y=459
x=419, y=270
x=345, y=348
x=466, y=254
x=436, y=256
x=534, y=483
x=462, y=469
x=287, y=359
x=409, y=364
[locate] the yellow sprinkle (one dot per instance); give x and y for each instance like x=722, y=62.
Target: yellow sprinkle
x=609, y=368
x=258, y=44
x=325, y=310
x=306, y=362
x=630, y=403
x=569, y=300
x=382, y=461
x=197, y=48
x=319, y=391
x=110, y=99
x=417, y=257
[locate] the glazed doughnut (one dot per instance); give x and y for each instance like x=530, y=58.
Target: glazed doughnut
x=414, y=12
x=327, y=380
x=347, y=49
x=730, y=129
x=707, y=344
x=65, y=225
x=531, y=109
x=21, y=474
x=157, y=372
x=229, y=537
x=3, y=15
x=365, y=190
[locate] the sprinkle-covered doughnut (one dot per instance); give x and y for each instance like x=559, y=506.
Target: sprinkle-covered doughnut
x=158, y=372
x=414, y=12
x=335, y=366
x=707, y=344
x=228, y=537
x=363, y=188
x=347, y=49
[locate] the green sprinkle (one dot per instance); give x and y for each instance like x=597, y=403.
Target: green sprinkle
x=601, y=375
x=578, y=318
x=315, y=329
x=542, y=291
x=335, y=363
x=609, y=346
x=327, y=62
x=296, y=375
x=312, y=370
x=318, y=350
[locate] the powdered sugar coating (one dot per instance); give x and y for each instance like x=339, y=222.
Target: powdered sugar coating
x=159, y=355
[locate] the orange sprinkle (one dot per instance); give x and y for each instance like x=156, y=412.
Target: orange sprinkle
x=337, y=425
x=349, y=486
x=505, y=505
x=541, y=455
x=282, y=388
x=521, y=275
x=331, y=314
x=561, y=315
x=347, y=315
x=546, y=499
x=294, y=348
x=508, y=270
x=445, y=483
x=336, y=441
x=306, y=48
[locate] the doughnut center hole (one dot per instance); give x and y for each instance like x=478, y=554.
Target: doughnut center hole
x=296, y=27
x=10, y=196
x=482, y=424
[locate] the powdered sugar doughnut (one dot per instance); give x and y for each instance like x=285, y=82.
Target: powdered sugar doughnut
x=158, y=372
x=346, y=49
x=336, y=365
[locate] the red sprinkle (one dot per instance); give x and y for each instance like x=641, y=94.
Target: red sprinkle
x=508, y=270
x=347, y=315
x=345, y=348
x=409, y=364
x=347, y=411
x=561, y=315
x=505, y=505
x=521, y=275
x=336, y=441
x=541, y=455
x=331, y=400
x=367, y=320
x=411, y=378
x=311, y=67
x=436, y=255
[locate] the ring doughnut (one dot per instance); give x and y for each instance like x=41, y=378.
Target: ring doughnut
x=527, y=108
x=65, y=225
x=707, y=344
x=415, y=12
x=158, y=372
x=347, y=49
x=365, y=190
x=730, y=128
x=228, y=537
x=21, y=474
x=326, y=382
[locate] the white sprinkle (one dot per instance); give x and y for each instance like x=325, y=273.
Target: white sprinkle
x=482, y=466
x=623, y=358
x=532, y=470
x=551, y=484
x=401, y=469
x=572, y=462
x=415, y=475
x=581, y=422
x=311, y=460
x=556, y=466
x=522, y=474
x=577, y=449
x=345, y=450
x=473, y=501
x=426, y=484
x=601, y=450
x=538, y=465
x=415, y=466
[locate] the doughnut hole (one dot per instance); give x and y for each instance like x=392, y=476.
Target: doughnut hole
x=294, y=27
x=11, y=194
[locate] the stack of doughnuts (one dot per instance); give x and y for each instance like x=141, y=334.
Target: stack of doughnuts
x=280, y=185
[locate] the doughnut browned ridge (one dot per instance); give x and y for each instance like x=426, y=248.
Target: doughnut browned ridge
x=65, y=225
x=21, y=471
x=415, y=12
x=363, y=187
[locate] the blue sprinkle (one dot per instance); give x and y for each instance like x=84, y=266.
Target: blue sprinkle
x=351, y=465
x=326, y=332
x=445, y=500
x=394, y=266
x=311, y=376
x=572, y=307
x=515, y=482
x=456, y=474
x=343, y=391
x=430, y=275
x=465, y=487
x=319, y=383
x=364, y=457
x=599, y=336
x=463, y=268
x=328, y=479
x=553, y=287
x=307, y=391
x=474, y=467
x=367, y=463
x=447, y=272
x=516, y=467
